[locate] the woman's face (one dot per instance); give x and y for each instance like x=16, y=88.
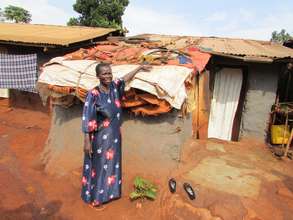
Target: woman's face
x=105, y=76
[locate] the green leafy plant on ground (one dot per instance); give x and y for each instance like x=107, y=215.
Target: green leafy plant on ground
x=143, y=189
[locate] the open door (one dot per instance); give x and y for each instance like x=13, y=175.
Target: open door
x=226, y=93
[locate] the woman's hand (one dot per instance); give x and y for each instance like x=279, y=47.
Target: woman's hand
x=127, y=77
x=87, y=148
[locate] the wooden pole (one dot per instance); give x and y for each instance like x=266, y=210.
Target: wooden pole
x=198, y=104
x=274, y=112
x=195, y=112
x=285, y=129
x=288, y=144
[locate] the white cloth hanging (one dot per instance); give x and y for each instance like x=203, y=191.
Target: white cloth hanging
x=227, y=87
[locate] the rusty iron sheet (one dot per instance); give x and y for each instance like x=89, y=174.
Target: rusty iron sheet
x=49, y=34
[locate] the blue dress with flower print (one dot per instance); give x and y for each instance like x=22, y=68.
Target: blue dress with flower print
x=101, y=119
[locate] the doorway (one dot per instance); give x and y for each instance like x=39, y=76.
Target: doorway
x=228, y=84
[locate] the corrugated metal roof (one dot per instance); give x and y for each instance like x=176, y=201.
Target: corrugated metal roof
x=49, y=34
x=251, y=49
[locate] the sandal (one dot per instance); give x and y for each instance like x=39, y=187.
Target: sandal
x=172, y=185
x=190, y=192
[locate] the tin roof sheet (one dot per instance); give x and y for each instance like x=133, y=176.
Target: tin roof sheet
x=226, y=46
x=49, y=34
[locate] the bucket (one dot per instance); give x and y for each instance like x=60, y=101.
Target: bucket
x=277, y=134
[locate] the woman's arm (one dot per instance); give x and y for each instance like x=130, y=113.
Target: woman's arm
x=87, y=145
x=89, y=122
x=131, y=74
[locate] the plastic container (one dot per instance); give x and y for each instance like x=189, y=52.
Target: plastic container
x=277, y=134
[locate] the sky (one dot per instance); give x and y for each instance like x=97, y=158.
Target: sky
x=252, y=19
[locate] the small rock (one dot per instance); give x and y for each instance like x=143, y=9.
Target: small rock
x=4, y=135
x=284, y=191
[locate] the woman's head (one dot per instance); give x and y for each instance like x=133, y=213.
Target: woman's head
x=104, y=73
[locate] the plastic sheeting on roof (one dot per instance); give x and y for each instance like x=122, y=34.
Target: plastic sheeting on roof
x=151, y=93
x=165, y=82
x=121, y=53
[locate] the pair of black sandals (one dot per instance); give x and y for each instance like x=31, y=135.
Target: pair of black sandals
x=186, y=186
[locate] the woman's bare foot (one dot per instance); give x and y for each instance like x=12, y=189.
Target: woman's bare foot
x=97, y=207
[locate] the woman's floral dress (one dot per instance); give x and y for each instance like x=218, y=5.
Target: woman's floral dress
x=101, y=119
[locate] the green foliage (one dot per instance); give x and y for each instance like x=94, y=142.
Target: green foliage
x=143, y=189
x=99, y=13
x=73, y=22
x=281, y=37
x=17, y=14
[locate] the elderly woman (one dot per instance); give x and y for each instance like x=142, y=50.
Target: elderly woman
x=101, y=121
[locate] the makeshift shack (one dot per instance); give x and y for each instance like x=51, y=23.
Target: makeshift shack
x=24, y=48
x=203, y=87
x=153, y=100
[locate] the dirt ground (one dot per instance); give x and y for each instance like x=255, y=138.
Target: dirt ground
x=231, y=180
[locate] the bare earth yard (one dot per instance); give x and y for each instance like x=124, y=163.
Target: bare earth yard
x=232, y=180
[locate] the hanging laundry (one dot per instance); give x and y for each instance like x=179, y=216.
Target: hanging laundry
x=18, y=71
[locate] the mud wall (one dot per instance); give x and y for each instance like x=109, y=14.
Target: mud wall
x=146, y=141
x=261, y=93
x=26, y=100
